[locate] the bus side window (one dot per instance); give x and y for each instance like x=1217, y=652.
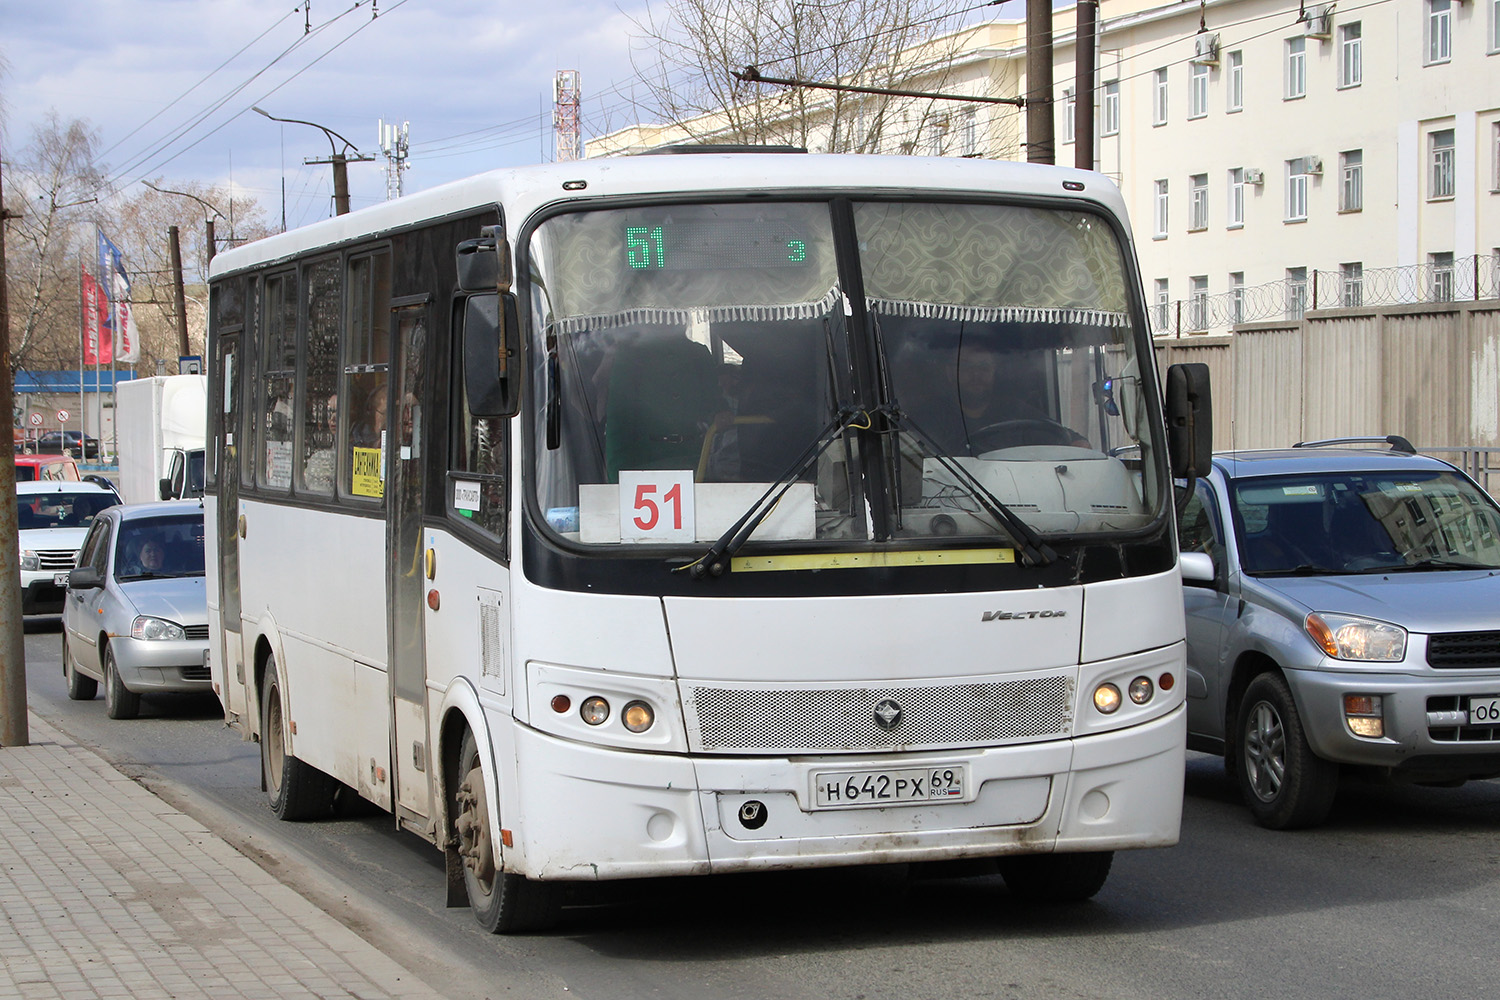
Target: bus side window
x=476, y=483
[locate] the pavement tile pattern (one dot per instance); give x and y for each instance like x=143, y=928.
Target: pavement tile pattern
x=106, y=891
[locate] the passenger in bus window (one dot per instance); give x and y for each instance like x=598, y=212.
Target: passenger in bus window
x=371, y=428
x=996, y=405
x=318, y=474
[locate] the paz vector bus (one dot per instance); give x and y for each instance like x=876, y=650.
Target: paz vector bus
x=681, y=514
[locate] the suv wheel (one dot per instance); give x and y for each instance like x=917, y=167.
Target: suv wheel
x=1283, y=782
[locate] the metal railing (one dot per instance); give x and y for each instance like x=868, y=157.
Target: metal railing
x=1466, y=279
x=1478, y=463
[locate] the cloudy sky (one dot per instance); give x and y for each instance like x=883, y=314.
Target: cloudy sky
x=169, y=85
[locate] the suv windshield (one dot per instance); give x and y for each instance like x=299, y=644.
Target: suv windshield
x=690, y=355
x=1368, y=522
x=60, y=508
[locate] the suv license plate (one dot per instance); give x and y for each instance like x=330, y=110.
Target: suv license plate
x=862, y=789
x=59, y=579
x=1484, y=710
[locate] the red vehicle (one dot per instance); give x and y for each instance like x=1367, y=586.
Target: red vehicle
x=62, y=468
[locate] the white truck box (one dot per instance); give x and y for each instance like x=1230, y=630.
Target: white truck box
x=156, y=419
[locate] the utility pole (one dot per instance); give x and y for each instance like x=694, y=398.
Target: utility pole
x=13, y=725
x=174, y=247
x=1083, y=86
x=338, y=158
x=1040, y=144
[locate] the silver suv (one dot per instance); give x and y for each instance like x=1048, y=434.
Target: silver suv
x=1343, y=608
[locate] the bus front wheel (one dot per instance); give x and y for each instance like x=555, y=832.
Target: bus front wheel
x=502, y=902
x=296, y=789
x=1056, y=878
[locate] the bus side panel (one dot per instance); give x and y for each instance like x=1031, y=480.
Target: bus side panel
x=328, y=615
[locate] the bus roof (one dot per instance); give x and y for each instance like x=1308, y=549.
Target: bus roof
x=522, y=190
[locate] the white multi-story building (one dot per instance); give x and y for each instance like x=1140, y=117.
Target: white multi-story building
x=1275, y=155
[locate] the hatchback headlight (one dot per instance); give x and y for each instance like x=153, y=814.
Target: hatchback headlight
x=30, y=561
x=146, y=627
x=1347, y=637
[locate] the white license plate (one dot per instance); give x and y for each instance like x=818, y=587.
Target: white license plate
x=1484, y=710
x=60, y=579
x=856, y=789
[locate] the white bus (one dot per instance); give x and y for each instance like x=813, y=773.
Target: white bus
x=733, y=512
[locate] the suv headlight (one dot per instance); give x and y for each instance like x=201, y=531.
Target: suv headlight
x=1346, y=637
x=30, y=561
x=146, y=627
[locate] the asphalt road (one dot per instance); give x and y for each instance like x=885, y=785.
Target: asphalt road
x=1391, y=898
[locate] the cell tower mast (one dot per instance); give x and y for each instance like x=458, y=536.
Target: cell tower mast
x=393, y=143
x=565, y=124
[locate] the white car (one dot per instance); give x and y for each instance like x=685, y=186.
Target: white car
x=136, y=615
x=53, y=518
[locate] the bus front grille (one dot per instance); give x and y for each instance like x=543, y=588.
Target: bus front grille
x=823, y=720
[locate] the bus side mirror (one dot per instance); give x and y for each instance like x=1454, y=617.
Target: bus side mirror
x=492, y=346
x=484, y=264
x=1190, y=433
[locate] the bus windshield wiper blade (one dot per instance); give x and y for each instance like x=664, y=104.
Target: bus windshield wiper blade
x=716, y=559
x=1034, y=551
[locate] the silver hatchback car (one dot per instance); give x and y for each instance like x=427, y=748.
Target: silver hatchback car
x=1343, y=608
x=136, y=612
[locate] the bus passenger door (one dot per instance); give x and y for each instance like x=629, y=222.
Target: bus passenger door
x=231, y=652
x=406, y=576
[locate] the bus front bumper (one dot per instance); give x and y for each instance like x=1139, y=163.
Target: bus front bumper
x=638, y=815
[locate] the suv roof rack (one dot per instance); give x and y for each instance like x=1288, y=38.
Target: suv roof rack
x=1396, y=441
x=718, y=147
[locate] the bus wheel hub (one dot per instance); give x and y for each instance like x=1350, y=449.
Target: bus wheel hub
x=474, y=844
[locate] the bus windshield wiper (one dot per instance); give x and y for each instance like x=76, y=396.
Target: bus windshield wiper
x=716, y=559
x=1034, y=551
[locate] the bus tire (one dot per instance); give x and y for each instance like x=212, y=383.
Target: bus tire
x=296, y=789
x=1056, y=878
x=80, y=688
x=502, y=902
x=119, y=703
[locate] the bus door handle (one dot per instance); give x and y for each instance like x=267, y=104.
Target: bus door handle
x=242, y=525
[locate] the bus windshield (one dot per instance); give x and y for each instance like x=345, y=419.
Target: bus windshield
x=970, y=359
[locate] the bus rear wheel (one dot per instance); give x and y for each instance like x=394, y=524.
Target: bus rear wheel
x=1056, y=878
x=502, y=902
x=296, y=789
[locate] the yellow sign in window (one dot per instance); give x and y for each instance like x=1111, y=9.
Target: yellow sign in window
x=368, y=473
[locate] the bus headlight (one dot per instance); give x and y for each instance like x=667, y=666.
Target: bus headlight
x=153, y=629
x=1107, y=698
x=1141, y=690
x=594, y=710
x=638, y=717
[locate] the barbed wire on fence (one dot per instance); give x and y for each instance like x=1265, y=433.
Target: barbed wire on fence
x=1463, y=279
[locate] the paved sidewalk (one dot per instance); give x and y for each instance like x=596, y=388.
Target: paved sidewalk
x=107, y=891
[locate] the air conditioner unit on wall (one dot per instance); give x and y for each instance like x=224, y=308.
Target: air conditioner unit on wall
x=1313, y=165
x=1319, y=22
x=1206, y=49
x=1255, y=175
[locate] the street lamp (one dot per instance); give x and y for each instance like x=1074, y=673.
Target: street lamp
x=174, y=248
x=337, y=157
x=208, y=223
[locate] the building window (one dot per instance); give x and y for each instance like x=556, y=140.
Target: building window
x=1110, y=115
x=1159, y=211
x=1296, y=68
x=1198, y=90
x=1236, y=197
x=1352, y=181
x=1070, y=114
x=1495, y=146
x=1163, y=302
x=1198, y=202
x=1236, y=86
x=1351, y=65
x=1296, y=292
x=1494, y=39
x=1439, y=31
x=1440, y=174
x=1442, y=276
x=1352, y=277
x=1236, y=297
x=1198, y=303
x=1159, y=97
x=1296, y=190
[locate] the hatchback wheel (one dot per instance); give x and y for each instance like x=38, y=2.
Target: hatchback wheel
x=80, y=688
x=1283, y=782
x=119, y=703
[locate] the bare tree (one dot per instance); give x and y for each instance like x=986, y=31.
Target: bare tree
x=57, y=187
x=689, y=50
